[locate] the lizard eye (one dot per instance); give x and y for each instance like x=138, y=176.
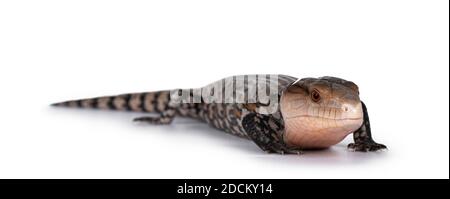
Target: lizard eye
x=315, y=96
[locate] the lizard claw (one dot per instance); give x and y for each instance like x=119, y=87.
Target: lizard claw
x=366, y=146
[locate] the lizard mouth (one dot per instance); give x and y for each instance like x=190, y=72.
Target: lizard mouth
x=309, y=123
x=327, y=118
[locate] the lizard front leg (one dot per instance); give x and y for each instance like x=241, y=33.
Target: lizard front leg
x=258, y=128
x=363, y=136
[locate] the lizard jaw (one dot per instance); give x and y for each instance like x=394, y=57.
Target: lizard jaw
x=316, y=133
x=312, y=129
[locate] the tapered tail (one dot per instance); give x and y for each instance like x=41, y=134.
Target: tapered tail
x=138, y=102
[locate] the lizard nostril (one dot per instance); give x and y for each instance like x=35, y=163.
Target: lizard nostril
x=346, y=109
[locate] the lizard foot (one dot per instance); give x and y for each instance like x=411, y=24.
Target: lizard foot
x=284, y=150
x=154, y=120
x=366, y=146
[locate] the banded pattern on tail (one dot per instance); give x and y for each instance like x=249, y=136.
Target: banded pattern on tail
x=137, y=102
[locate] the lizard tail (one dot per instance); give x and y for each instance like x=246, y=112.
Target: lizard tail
x=137, y=102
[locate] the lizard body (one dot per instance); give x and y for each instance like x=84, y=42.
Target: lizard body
x=300, y=114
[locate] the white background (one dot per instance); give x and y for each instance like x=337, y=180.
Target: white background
x=396, y=51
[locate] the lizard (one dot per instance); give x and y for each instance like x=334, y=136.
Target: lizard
x=300, y=114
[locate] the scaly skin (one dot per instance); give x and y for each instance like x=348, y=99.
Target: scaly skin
x=312, y=113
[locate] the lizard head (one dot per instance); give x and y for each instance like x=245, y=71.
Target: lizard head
x=320, y=112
